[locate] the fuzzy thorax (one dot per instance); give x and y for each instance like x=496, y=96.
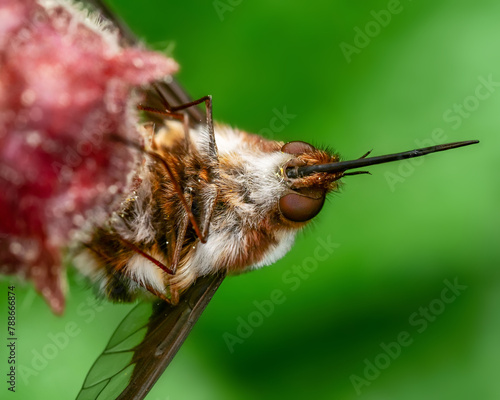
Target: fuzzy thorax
x=246, y=228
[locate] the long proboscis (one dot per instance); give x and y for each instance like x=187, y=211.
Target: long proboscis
x=342, y=166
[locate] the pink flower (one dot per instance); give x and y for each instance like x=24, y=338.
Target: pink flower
x=65, y=86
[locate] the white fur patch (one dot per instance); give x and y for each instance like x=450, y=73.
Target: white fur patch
x=261, y=177
x=285, y=243
x=145, y=272
x=86, y=264
x=208, y=257
x=228, y=140
x=262, y=181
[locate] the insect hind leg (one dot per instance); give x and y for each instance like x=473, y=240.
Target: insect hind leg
x=172, y=111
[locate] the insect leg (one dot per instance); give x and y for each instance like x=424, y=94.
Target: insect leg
x=133, y=247
x=117, y=274
x=175, y=184
x=171, y=110
x=356, y=173
x=180, y=239
x=209, y=207
x=366, y=154
x=186, y=133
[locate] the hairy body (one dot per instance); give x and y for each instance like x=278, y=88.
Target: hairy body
x=233, y=193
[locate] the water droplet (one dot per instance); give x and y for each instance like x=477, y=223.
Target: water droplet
x=16, y=248
x=28, y=97
x=33, y=139
x=138, y=62
x=78, y=220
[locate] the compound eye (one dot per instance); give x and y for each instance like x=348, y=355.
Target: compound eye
x=297, y=147
x=300, y=208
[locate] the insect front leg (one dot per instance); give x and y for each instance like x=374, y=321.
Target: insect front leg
x=209, y=205
x=171, y=111
x=181, y=234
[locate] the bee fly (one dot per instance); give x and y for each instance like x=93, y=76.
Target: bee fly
x=207, y=201
x=213, y=200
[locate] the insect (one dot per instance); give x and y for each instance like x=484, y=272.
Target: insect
x=207, y=201
x=150, y=246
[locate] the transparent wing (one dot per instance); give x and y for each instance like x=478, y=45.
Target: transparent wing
x=144, y=344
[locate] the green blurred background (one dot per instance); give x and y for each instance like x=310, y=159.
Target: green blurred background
x=397, y=239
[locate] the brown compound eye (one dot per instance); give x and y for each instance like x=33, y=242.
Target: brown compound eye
x=297, y=147
x=299, y=207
